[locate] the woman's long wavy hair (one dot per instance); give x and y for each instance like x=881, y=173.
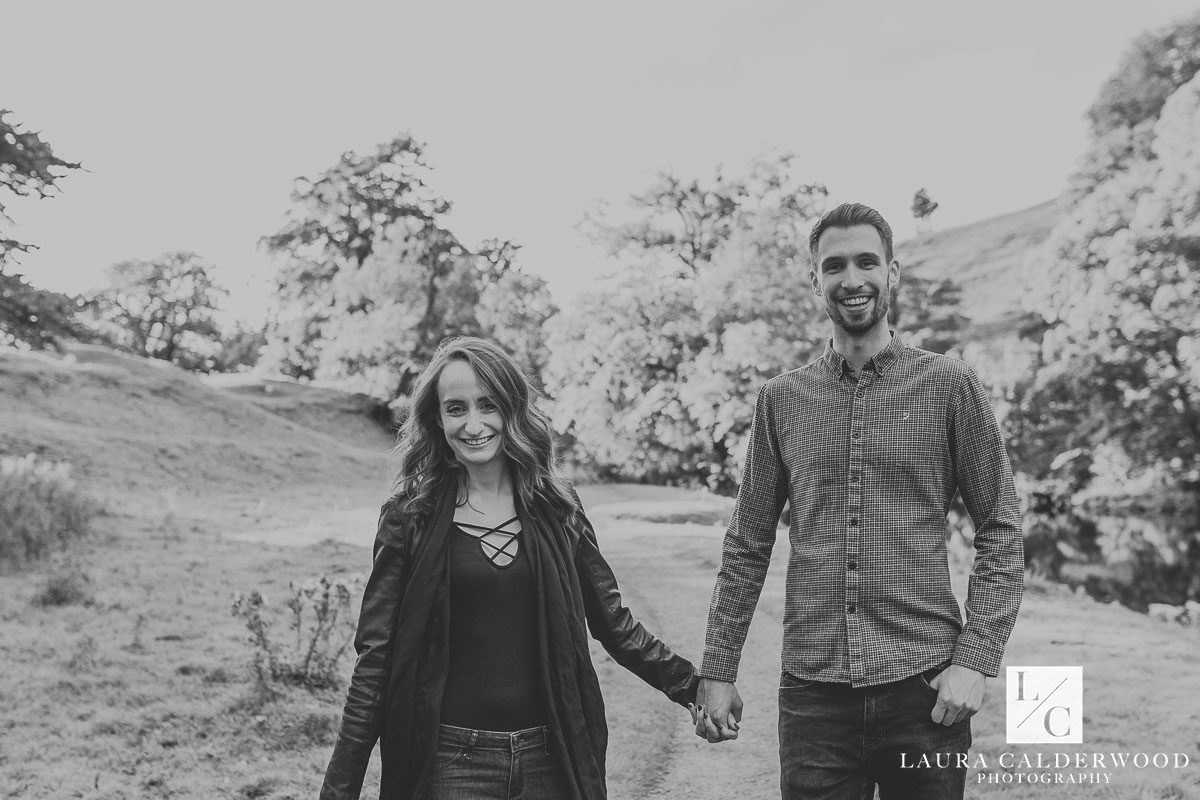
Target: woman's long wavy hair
x=425, y=464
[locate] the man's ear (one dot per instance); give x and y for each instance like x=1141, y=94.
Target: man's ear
x=894, y=274
x=814, y=281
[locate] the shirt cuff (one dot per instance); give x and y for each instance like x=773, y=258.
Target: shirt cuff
x=719, y=665
x=972, y=652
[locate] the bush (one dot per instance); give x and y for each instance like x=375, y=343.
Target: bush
x=41, y=509
x=66, y=586
x=323, y=624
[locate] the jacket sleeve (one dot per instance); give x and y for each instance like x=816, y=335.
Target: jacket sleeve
x=626, y=639
x=362, y=718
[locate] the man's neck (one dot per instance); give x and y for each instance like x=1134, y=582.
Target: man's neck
x=858, y=350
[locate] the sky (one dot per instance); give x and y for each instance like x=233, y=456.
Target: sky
x=192, y=122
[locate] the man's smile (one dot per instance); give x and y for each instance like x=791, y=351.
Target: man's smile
x=856, y=302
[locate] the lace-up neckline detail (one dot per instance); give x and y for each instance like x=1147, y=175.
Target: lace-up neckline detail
x=499, y=543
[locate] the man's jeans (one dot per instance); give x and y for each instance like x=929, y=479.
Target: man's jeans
x=837, y=742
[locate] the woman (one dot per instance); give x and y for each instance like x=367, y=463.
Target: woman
x=473, y=670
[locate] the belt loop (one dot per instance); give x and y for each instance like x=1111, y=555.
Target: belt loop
x=546, y=738
x=474, y=737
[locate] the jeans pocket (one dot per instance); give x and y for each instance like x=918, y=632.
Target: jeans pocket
x=788, y=681
x=449, y=757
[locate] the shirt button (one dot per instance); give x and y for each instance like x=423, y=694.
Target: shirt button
x=854, y=435
x=853, y=565
x=850, y=609
x=854, y=520
x=854, y=479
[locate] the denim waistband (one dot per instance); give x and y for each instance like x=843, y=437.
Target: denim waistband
x=508, y=741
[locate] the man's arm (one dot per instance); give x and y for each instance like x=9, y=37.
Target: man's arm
x=984, y=477
x=745, y=556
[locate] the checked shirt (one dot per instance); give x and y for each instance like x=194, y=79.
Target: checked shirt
x=870, y=465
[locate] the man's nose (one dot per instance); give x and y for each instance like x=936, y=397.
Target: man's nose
x=853, y=278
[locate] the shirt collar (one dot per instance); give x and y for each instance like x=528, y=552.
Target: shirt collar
x=882, y=361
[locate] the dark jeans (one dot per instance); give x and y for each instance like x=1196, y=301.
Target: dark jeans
x=495, y=765
x=837, y=742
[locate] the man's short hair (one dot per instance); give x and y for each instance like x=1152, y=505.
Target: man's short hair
x=848, y=215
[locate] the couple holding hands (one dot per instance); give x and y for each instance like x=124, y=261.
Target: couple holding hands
x=474, y=672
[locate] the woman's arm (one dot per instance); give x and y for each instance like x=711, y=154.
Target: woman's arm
x=626, y=639
x=362, y=717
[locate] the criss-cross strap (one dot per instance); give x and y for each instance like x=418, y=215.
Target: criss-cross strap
x=499, y=546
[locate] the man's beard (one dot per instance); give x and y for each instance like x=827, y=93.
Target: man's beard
x=882, y=301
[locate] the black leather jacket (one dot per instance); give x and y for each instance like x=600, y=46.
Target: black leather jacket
x=610, y=623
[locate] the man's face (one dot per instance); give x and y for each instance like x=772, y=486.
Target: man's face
x=853, y=279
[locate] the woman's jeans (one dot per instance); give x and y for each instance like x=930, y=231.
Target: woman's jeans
x=837, y=742
x=495, y=765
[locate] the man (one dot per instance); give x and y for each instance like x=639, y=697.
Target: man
x=869, y=444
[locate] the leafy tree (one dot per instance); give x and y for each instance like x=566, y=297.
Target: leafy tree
x=1122, y=342
x=29, y=316
x=927, y=312
x=655, y=375
x=164, y=308
x=922, y=208
x=374, y=278
x=28, y=167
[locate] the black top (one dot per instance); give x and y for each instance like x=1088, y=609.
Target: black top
x=492, y=680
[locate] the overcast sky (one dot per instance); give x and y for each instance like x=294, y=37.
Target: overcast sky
x=193, y=122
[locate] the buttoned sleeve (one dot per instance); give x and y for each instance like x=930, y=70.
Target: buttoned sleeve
x=362, y=717
x=984, y=477
x=746, y=551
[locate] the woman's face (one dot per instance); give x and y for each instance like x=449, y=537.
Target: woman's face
x=469, y=415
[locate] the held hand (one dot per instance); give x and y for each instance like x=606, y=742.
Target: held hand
x=960, y=694
x=717, y=712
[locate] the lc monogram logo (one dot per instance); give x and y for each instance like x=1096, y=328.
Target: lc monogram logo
x=1044, y=704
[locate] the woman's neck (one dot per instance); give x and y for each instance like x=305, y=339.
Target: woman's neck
x=489, y=484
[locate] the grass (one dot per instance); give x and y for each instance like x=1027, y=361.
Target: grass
x=141, y=684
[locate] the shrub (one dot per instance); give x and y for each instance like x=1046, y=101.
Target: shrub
x=66, y=586
x=41, y=509
x=323, y=623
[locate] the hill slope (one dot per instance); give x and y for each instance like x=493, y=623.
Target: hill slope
x=131, y=426
x=985, y=259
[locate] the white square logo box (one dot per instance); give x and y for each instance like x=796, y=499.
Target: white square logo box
x=1044, y=705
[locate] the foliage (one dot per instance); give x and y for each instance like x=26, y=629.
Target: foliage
x=926, y=312
x=922, y=205
x=29, y=317
x=1121, y=346
x=28, y=167
x=36, y=318
x=41, y=509
x=165, y=309
x=323, y=623
x=655, y=375
x=239, y=349
x=374, y=279
x=67, y=585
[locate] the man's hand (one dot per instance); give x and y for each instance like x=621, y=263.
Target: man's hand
x=717, y=712
x=960, y=694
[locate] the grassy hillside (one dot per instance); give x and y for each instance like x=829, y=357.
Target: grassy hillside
x=985, y=259
x=131, y=426
x=143, y=688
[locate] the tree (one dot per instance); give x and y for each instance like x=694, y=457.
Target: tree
x=1122, y=342
x=164, y=308
x=29, y=316
x=922, y=208
x=655, y=375
x=374, y=279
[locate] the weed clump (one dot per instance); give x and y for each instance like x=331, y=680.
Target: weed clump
x=322, y=624
x=68, y=585
x=41, y=509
